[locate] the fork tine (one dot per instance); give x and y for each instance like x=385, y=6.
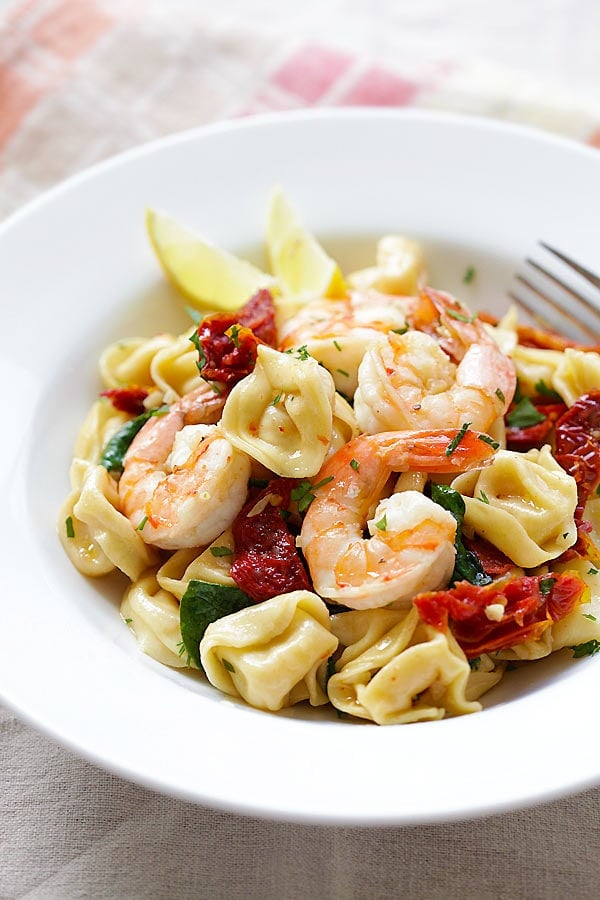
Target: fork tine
x=554, y=303
x=535, y=313
x=591, y=307
x=589, y=276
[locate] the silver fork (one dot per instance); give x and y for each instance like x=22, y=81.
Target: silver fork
x=569, y=304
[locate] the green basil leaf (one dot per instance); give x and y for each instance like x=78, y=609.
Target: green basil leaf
x=524, y=414
x=118, y=445
x=202, y=604
x=543, y=390
x=466, y=565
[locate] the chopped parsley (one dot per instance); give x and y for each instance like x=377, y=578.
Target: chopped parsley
x=456, y=440
x=382, y=524
x=181, y=651
x=69, y=527
x=588, y=649
x=546, y=585
x=201, y=361
x=524, y=414
x=303, y=494
x=301, y=352
x=475, y=663
x=354, y=464
x=221, y=551
x=276, y=400
x=400, y=330
x=233, y=333
x=590, y=617
x=488, y=440
x=343, y=372
x=128, y=621
x=142, y=523
x=461, y=316
x=336, y=345
x=592, y=571
x=483, y=497
x=500, y=395
x=227, y=665
x=469, y=275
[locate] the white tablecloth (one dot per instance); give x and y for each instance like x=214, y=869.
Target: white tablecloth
x=80, y=80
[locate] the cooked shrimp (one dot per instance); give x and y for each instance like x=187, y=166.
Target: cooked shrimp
x=183, y=483
x=410, y=547
x=409, y=381
x=336, y=332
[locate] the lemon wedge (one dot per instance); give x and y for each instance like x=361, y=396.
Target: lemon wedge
x=297, y=260
x=210, y=278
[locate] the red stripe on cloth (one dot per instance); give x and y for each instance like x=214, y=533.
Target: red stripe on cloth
x=377, y=86
x=70, y=28
x=17, y=97
x=311, y=71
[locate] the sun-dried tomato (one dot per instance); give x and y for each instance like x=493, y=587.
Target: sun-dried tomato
x=129, y=400
x=258, y=314
x=535, y=436
x=578, y=446
x=493, y=561
x=531, y=604
x=227, y=349
x=266, y=561
x=227, y=342
x=530, y=336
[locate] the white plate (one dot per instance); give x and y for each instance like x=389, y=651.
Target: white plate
x=77, y=271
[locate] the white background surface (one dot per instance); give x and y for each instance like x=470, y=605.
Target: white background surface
x=69, y=830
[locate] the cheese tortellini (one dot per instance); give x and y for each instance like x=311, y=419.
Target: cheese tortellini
x=101, y=423
x=129, y=361
x=101, y=538
x=523, y=503
x=174, y=368
x=211, y=565
x=153, y=615
x=396, y=669
x=273, y=654
x=577, y=373
x=282, y=414
x=399, y=267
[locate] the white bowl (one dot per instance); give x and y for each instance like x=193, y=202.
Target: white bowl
x=77, y=271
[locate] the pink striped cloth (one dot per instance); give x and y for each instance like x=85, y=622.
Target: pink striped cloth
x=83, y=79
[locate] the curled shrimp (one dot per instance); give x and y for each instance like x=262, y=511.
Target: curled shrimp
x=412, y=381
x=183, y=483
x=410, y=543
x=336, y=332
